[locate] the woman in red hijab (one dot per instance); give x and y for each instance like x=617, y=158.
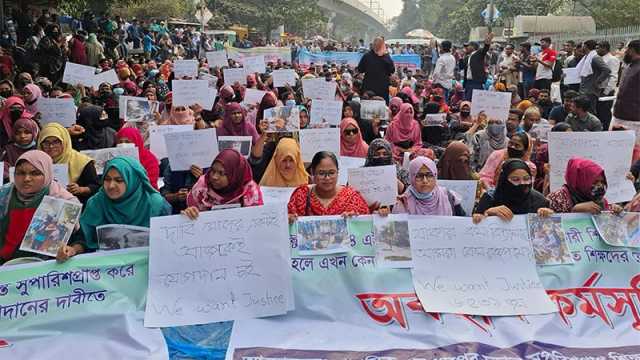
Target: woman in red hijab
x=146, y=157
x=404, y=132
x=351, y=142
x=583, y=191
x=235, y=123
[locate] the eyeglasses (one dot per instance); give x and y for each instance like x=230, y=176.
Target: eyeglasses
x=50, y=144
x=425, y=176
x=326, y=174
x=351, y=131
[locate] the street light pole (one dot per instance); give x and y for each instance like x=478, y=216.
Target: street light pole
x=491, y=11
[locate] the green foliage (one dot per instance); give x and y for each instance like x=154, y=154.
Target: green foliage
x=610, y=13
x=158, y=9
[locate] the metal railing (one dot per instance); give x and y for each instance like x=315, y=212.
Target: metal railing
x=613, y=35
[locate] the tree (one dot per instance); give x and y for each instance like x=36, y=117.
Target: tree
x=149, y=8
x=610, y=13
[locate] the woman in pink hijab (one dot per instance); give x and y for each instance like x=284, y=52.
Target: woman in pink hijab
x=181, y=115
x=31, y=93
x=351, y=142
x=404, y=132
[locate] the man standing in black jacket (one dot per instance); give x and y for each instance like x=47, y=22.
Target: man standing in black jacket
x=475, y=73
x=377, y=66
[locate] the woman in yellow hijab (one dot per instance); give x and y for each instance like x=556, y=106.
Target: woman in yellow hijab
x=55, y=140
x=286, y=168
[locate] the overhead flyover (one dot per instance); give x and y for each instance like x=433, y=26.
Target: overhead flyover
x=357, y=12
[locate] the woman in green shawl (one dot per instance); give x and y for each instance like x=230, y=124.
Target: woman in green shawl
x=125, y=198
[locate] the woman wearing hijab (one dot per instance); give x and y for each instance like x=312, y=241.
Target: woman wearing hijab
x=519, y=147
x=148, y=160
x=404, y=133
x=24, y=139
x=394, y=106
x=425, y=196
x=235, y=123
x=486, y=141
x=32, y=93
x=229, y=181
x=304, y=116
x=351, y=142
x=584, y=189
x=352, y=110
x=55, y=140
x=97, y=134
x=125, y=198
x=95, y=50
x=12, y=110
x=286, y=168
x=455, y=165
x=514, y=194
x=19, y=201
x=380, y=154
x=269, y=100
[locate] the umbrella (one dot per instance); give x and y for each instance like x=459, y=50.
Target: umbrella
x=420, y=33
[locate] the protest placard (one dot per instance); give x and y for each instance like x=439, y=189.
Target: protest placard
x=571, y=76
x=619, y=229
x=238, y=274
x=391, y=234
x=370, y=109
x=253, y=96
x=466, y=189
x=548, y=240
x=2, y=171
x=610, y=149
x=315, y=140
x=443, y=250
x=376, y=183
x=217, y=58
x=241, y=144
x=284, y=77
x=61, y=111
x=138, y=109
x=495, y=105
x=75, y=74
x=195, y=147
x=231, y=76
x=212, y=81
x=346, y=163
x=109, y=77
x=189, y=92
x=322, y=235
x=60, y=173
x=254, y=64
x=156, y=137
x=326, y=112
x=320, y=89
x=282, y=118
x=102, y=156
x=540, y=131
x=51, y=226
x=209, y=99
x=272, y=194
x=119, y=236
x=438, y=120
x=185, y=68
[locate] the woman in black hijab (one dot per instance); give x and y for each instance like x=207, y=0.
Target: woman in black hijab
x=514, y=194
x=352, y=109
x=97, y=133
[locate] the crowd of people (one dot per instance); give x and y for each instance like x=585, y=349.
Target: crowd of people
x=506, y=157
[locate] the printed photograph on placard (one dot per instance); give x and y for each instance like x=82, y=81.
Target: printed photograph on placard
x=548, y=240
x=373, y=109
x=51, y=226
x=140, y=110
x=116, y=236
x=241, y=144
x=283, y=119
x=618, y=230
x=322, y=236
x=391, y=234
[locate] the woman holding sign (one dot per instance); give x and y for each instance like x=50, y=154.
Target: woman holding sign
x=380, y=154
x=519, y=147
x=148, y=160
x=33, y=181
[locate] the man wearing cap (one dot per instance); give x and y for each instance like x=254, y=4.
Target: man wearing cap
x=475, y=74
x=377, y=66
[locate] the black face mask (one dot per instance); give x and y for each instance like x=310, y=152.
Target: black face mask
x=465, y=113
x=515, y=153
x=598, y=191
x=15, y=114
x=6, y=93
x=627, y=58
x=380, y=161
x=518, y=191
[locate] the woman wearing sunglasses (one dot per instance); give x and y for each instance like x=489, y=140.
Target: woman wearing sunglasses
x=351, y=142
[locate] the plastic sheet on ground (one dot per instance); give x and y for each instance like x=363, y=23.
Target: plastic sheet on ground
x=207, y=341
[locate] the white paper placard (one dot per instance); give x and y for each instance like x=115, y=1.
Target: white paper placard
x=459, y=267
x=241, y=144
x=272, y=194
x=231, y=76
x=101, y=156
x=60, y=174
x=61, y=111
x=494, y=104
x=326, y=112
x=437, y=120
x=156, y=137
x=346, y=163
x=242, y=272
x=217, y=58
x=316, y=140
x=188, y=68
x=282, y=118
x=212, y=81
x=195, y=147
x=466, y=189
x=189, y=92
x=391, y=234
x=109, y=77
x=376, y=183
x=75, y=74
x=370, y=109
x=253, y=96
x=319, y=89
x=139, y=109
x=571, y=76
x=610, y=149
x=254, y=64
x=284, y=77
x=1, y=172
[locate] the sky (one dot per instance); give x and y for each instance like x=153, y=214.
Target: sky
x=391, y=7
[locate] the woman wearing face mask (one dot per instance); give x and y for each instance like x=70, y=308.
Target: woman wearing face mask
x=485, y=142
x=584, y=189
x=24, y=139
x=325, y=196
x=31, y=94
x=51, y=53
x=148, y=160
x=519, y=147
x=125, y=198
x=12, y=110
x=462, y=121
x=229, y=181
x=6, y=89
x=513, y=195
x=286, y=168
x=380, y=154
x=97, y=134
x=404, y=133
x=351, y=142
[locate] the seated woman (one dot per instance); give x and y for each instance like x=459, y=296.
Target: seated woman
x=351, y=109
x=486, y=141
x=125, y=198
x=235, y=123
x=19, y=201
x=12, y=110
x=584, y=189
x=455, y=164
x=404, y=132
x=519, y=147
x=25, y=134
x=514, y=194
x=286, y=168
x=229, y=181
x=351, y=142
x=380, y=154
x=97, y=133
x=424, y=196
x=54, y=139
x=148, y=160
x=325, y=196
